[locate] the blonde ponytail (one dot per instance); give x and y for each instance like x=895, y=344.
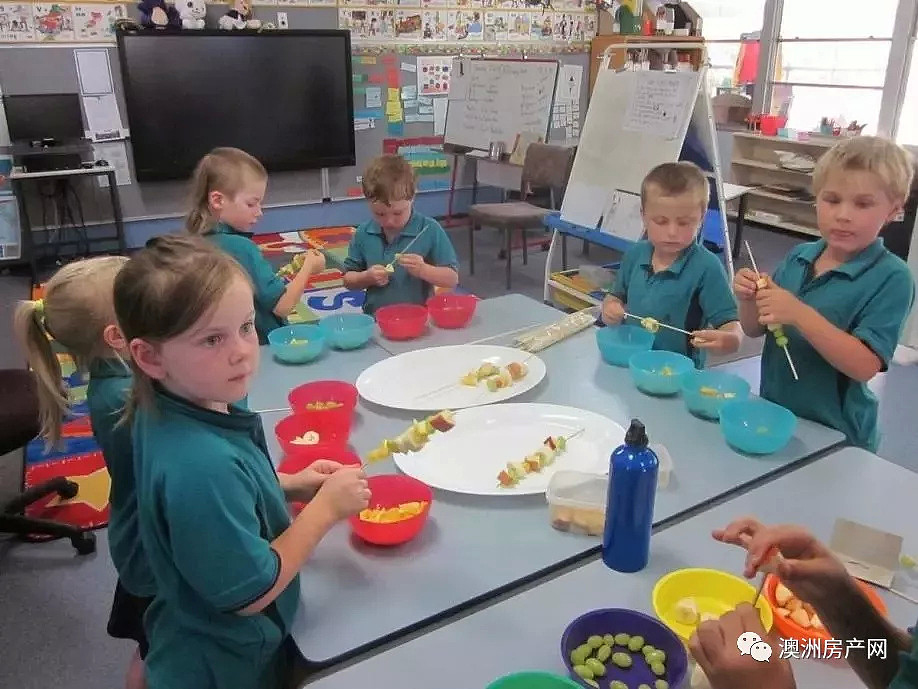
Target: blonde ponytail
x=76, y=308
x=53, y=401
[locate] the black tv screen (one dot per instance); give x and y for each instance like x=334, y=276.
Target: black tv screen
x=284, y=96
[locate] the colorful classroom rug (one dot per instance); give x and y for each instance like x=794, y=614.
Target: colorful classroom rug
x=78, y=457
x=325, y=293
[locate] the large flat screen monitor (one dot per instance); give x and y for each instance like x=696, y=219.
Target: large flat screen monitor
x=283, y=96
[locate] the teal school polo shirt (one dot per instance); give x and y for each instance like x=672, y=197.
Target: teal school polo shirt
x=907, y=677
x=869, y=297
x=269, y=287
x=692, y=294
x=369, y=247
x=210, y=506
x=106, y=395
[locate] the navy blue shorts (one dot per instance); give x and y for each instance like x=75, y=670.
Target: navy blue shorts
x=126, y=618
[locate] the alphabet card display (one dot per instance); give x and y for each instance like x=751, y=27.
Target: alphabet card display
x=57, y=22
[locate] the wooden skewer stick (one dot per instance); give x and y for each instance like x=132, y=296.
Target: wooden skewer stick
x=408, y=246
x=450, y=385
x=790, y=361
x=660, y=323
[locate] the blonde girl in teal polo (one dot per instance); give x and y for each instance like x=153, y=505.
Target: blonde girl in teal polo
x=213, y=513
x=843, y=300
x=227, y=190
x=77, y=310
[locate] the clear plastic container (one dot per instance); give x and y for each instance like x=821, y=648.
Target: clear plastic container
x=577, y=502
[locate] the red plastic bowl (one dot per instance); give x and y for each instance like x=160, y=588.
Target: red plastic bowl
x=451, y=310
x=326, y=391
x=402, y=321
x=391, y=490
x=307, y=454
x=331, y=433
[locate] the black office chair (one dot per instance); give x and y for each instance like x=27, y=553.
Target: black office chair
x=18, y=425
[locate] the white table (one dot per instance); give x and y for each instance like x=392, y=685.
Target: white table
x=357, y=597
x=524, y=632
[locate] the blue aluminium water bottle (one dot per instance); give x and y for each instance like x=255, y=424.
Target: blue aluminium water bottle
x=633, y=471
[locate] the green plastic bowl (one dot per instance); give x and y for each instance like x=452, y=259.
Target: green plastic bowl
x=533, y=680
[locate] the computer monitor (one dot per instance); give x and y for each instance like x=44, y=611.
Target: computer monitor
x=35, y=117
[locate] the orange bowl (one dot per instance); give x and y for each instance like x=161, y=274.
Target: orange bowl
x=391, y=490
x=787, y=628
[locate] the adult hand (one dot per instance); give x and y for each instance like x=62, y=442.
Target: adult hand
x=378, y=275
x=613, y=311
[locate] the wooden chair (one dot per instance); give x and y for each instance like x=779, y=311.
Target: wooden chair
x=545, y=166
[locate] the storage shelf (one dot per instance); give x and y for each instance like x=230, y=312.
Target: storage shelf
x=765, y=194
x=746, y=162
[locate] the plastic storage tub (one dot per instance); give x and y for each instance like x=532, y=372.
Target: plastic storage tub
x=577, y=502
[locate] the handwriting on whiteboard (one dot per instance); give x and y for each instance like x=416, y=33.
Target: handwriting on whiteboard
x=660, y=104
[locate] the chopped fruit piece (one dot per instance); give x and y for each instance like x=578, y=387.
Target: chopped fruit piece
x=686, y=611
x=470, y=379
x=443, y=421
x=308, y=438
x=801, y=617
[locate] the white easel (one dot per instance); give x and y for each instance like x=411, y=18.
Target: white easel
x=613, y=158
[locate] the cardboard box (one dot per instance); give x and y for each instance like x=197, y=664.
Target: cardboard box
x=867, y=553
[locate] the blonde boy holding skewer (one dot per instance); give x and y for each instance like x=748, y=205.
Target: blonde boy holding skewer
x=669, y=279
x=842, y=300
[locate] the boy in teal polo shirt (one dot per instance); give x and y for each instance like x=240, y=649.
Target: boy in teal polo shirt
x=400, y=255
x=843, y=299
x=227, y=189
x=671, y=278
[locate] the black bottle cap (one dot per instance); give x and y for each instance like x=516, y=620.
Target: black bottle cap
x=636, y=435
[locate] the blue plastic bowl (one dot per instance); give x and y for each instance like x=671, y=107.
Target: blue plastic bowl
x=348, y=331
x=756, y=426
x=618, y=343
x=659, y=372
x=297, y=344
x=706, y=391
x=618, y=620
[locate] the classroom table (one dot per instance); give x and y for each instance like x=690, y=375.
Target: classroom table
x=357, y=597
x=524, y=632
x=274, y=379
x=509, y=313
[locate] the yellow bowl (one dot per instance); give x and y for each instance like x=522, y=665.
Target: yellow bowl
x=714, y=592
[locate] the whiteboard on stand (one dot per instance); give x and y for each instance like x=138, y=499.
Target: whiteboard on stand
x=636, y=120
x=494, y=100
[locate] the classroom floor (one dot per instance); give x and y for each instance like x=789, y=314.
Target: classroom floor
x=54, y=606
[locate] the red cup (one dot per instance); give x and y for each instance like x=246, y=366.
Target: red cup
x=452, y=310
x=770, y=124
x=326, y=391
x=402, y=321
x=391, y=490
x=307, y=454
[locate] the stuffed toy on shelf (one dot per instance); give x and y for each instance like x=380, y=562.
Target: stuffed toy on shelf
x=239, y=17
x=158, y=14
x=192, y=13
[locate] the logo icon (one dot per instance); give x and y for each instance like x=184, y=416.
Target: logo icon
x=746, y=641
x=751, y=644
x=760, y=651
